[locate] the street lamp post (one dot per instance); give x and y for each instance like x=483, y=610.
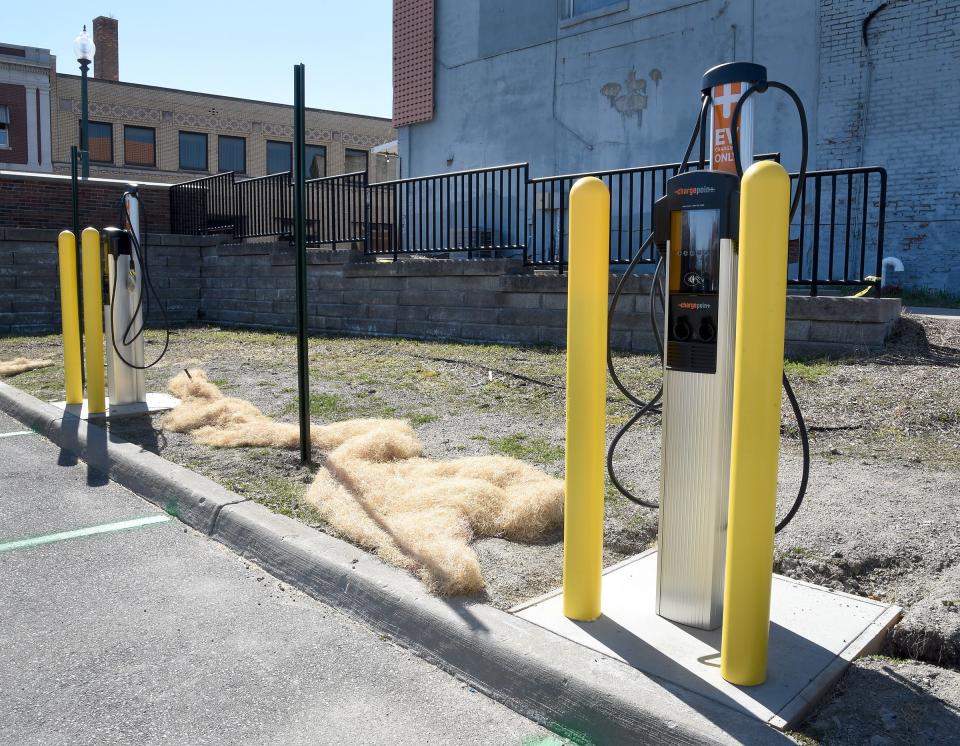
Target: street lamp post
x=84, y=48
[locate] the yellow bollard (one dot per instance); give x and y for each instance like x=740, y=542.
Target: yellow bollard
x=70, y=317
x=588, y=281
x=758, y=370
x=93, y=319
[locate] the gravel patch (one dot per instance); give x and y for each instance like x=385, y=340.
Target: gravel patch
x=887, y=702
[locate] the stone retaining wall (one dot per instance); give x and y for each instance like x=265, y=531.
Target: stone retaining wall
x=498, y=300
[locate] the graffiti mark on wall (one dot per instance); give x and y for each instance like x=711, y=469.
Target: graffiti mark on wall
x=630, y=98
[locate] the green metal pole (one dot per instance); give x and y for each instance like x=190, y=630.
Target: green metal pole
x=74, y=192
x=299, y=236
x=84, y=121
x=75, y=197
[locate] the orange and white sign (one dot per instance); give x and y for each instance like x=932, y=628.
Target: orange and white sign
x=725, y=98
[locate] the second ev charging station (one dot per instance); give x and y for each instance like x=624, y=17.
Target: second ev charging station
x=116, y=281
x=123, y=307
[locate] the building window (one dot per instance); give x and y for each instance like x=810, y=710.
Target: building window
x=139, y=146
x=100, y=142
x=193, y=151
x=232, y=154
x=355, y=160
x=279, y=157
x=4, y=126
x=590, y=8
x=315, y=161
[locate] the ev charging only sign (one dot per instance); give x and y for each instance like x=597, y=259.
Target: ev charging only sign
x=725, y=99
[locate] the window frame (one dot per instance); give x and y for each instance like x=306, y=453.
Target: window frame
x=5, y=129
x=206, y=152
x=126, y=159
x=112, y=151
x=568, y=16
x=267, y=158
x=241, y=139
x=306, y=164
x=366, y=155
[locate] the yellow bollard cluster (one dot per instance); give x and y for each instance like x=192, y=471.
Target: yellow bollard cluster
x=588, y=281
x=761, y=310
x=70, y=317
x=92, y=272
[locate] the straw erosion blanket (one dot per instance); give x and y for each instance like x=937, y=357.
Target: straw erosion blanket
x=377, y=489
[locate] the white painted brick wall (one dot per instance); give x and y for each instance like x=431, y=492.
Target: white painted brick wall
x=895, y=102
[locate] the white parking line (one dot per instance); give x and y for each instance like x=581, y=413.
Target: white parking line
x=80, y=532
x=18, y=432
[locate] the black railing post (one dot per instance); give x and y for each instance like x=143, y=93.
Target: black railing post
x=303, y=359
x=881, y=223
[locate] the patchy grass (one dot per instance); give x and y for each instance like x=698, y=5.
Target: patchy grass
x=421, y=418
x=810, y=371
x=43, y=383
x=223, y=384
x=524, y=447
x=929, y=298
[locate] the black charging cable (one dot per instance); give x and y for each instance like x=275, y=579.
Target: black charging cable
x=146, y=285
x=794, y=205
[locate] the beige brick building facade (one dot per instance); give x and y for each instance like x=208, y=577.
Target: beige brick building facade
x=168, y=112
x=147, y=133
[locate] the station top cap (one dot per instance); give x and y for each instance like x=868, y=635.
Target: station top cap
x=733, y=72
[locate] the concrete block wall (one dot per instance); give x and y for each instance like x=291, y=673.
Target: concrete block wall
x=496, y=300
x=30, y=279
x=252, y=285
x=499, y=300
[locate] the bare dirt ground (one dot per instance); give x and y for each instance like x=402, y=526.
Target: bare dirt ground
x=881, y=518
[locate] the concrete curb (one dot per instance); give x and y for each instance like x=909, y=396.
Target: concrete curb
x=193, y=499
x=563, y=686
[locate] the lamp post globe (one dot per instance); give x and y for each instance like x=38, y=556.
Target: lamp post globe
x=84, y=49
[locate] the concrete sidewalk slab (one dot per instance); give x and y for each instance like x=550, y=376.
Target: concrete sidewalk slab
x=566, y=687
x=814, y=634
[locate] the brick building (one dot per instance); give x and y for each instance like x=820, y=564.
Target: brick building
x=588, y=85
x=149, y=133
x=27, y=80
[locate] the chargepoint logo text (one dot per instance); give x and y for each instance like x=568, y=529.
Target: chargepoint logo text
x=694, y=191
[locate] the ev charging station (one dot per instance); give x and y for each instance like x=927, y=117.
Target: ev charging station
x=122, y=310
x=703, y=610
x=115, y=284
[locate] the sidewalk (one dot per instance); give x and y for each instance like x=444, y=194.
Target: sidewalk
x=148, y=632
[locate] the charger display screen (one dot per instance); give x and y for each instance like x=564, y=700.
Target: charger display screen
x=694, y=251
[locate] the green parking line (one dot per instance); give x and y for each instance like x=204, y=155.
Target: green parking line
x=18, y=432
x=81, y=532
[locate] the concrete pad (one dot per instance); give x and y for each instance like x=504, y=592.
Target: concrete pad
x=156, y=402
x=814, y=634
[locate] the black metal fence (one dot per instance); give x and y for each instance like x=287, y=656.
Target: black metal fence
x=336, y=208
x=482, y=210
x=264, y=206
x=836, y=237
x=838, y=229
x=204, y=205
x=633, y=192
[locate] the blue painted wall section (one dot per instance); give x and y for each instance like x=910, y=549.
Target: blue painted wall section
x=515, y=81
